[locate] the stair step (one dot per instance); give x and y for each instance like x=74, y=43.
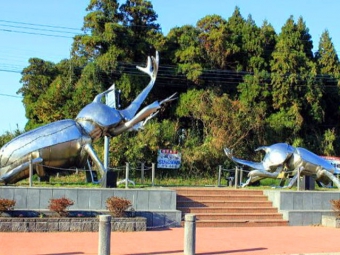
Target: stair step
x=229, y=197
x=237, y=216
x=227, y=210
x=216, y=191
x=242, y=223
x=226, y=204
x=222, y=207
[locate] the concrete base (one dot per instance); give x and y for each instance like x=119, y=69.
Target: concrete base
x=303, y=208
x=157, y=205
x=330, y=221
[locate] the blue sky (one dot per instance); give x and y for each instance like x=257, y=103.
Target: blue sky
x=56, y=21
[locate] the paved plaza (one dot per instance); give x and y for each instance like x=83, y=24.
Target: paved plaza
x=210, y=241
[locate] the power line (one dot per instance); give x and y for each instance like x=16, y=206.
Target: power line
x=10, y=71
x=32, y=33
x=40, y=29
x=39, y=25
x=7, y=95
x=26, y=28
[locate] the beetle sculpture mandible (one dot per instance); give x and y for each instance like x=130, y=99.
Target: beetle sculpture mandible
x=291, y=161
x=67, y=143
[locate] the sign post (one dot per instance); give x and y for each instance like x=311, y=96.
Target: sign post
x=110, y=100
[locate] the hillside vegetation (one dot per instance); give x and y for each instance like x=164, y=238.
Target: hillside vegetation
x=239, y=85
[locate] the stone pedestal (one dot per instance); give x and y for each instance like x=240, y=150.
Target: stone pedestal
x=330, y=221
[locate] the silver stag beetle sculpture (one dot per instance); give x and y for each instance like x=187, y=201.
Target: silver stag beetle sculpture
x=67, y=143
x=286, y=159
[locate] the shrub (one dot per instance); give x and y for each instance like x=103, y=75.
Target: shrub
x=117, y=206
x=60, y=205
x=336, y=206
x=6, y=205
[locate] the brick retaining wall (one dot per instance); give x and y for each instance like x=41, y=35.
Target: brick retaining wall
x=17, y=224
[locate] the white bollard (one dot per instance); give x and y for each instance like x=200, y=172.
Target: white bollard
x=142, y=173
x=241, y=176
x=219, y=176
x=127, y=175
x=190, y=234
x=104, y=235
x=31, y=172
x=153, y=169
x=236, y=177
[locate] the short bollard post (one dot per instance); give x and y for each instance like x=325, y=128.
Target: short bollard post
x=142, y=173
x=236, y=177
x=219, y=176
x=190, y=234
x=127, y=175
x=30, y=172
x=153, y=169
x=104, y=235
x=241, y=176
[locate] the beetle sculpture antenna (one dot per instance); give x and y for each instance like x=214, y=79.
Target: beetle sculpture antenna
x=68, y=143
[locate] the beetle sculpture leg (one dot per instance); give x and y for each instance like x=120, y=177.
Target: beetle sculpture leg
x=283, y=179
x=256, y=175
x=330, y=176
x=19, y=171
x=251, y=179
x=292, y=182
x=88, y=148
x=295, y=177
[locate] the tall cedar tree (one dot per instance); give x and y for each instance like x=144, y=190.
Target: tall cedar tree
x=296, y=93
x=328, y=73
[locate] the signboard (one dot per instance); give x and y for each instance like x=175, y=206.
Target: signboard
x=335, y=161
x=168, y=159
x=110, y=99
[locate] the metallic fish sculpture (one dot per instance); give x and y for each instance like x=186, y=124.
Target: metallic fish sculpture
x=68, y=143
x=286, y=159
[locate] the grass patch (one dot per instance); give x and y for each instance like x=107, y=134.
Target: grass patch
x=78, y=180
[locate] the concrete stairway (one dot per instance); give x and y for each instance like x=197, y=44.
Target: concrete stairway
x=221, y=207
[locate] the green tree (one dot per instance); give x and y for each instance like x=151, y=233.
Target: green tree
x=296, y=93
x=329, y=73
x=252, y=45
x=143, y=145
x=140, y=18
x=326, y=56
x=117, y=35
x=327, y=144
x=36, y=79
x=183, y=49
x=8, y=136
x=214, y=40
x=217, y=122
x=254, y=91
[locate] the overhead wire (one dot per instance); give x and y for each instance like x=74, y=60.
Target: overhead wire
x=224, y=77
x=33, y=29
x=39, y=25
x=33, y=33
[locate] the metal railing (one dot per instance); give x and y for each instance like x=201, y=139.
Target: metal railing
x=235, y=180
x=143, y=168
x=127, y=168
